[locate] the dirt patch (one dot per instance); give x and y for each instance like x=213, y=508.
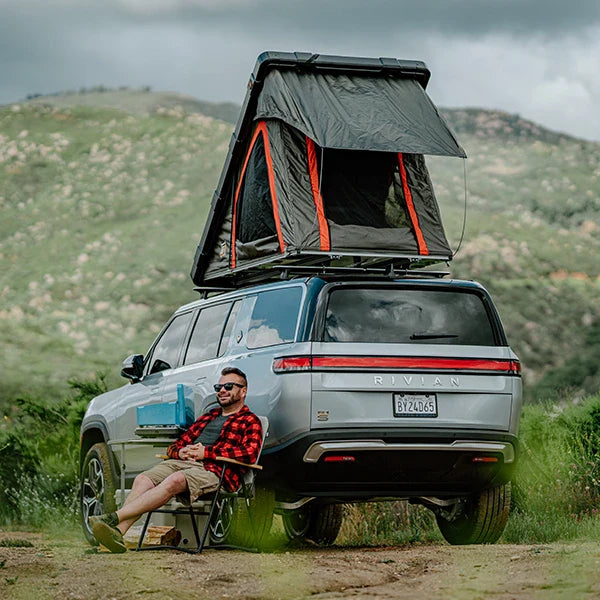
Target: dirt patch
x=65, y=569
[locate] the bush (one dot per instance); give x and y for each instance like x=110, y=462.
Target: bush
x=39, y=452
x=556, y=486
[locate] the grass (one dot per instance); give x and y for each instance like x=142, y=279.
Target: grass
x=387, y=523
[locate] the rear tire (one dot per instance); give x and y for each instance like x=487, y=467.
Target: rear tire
x=483, y=519
x=96, y=488
x=318, y=523
x=231, y=526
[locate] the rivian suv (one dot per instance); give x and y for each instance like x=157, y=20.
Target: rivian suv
x=374, y=390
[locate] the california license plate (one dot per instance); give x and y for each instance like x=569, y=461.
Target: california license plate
x=415, y=405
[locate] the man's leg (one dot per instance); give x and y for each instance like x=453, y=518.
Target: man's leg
x=150, y=499
x=141, y=484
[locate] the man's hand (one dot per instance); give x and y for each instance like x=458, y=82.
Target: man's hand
x=193, y=452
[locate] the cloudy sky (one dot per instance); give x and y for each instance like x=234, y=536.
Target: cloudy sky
x=538, y=58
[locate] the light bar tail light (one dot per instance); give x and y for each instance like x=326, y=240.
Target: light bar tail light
x=291, y=364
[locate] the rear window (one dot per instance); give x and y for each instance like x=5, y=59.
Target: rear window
x=404, y=316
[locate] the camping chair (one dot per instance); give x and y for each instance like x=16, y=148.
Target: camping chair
x=217, y=501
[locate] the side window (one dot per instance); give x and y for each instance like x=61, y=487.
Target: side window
x=166, y=351
x=274, y=318
x=229, y=327
x=206, y=336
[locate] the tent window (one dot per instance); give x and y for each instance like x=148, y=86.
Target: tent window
x=362, y=188
x=255, y=208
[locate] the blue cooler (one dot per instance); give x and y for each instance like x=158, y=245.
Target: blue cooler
x=167, y=417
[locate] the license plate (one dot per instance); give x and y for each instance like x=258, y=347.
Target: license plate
x=415, y=405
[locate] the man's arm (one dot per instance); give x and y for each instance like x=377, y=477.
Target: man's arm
x=242, y=441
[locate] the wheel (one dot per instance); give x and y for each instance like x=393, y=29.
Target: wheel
x=483, y=518
x=97, y=487
x=296, y=522
x=231, y=524
x=317, y=523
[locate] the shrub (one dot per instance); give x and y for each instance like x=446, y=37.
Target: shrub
x=556, y=490
x=39, y=451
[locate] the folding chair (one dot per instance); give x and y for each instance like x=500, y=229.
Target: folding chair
x=218, y=501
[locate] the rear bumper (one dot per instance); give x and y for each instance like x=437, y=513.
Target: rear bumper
x=388, y=463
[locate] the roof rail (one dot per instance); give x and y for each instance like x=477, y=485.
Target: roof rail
x=291, y=271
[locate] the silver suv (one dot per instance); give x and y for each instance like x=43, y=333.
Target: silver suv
x=397, y=389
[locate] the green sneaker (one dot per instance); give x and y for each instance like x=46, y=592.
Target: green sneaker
x=105, y=531
x=108, y=518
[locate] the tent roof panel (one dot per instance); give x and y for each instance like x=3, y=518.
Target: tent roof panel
x=357, y=111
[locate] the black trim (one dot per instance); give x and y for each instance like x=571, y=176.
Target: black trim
x=386, y=474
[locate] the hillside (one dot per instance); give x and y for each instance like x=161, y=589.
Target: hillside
x=103, y=206
x=138, y=102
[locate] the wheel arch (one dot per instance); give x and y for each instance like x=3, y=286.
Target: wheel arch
x=96, y=432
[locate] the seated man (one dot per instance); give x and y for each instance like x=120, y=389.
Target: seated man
x=231, y=431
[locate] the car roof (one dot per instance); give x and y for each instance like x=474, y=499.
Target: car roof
x=320, y=282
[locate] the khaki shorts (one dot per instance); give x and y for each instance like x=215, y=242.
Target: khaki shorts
x=199, y=480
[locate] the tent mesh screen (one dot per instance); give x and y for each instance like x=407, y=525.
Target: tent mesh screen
x=362, y=188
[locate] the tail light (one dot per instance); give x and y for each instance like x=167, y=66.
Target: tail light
x=293, y=364
x=485, y=459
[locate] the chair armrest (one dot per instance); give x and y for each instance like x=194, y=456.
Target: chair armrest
x=237, y=462
x=223, y=459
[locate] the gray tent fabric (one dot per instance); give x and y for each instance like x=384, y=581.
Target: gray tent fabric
x=364, y=196
x=358, y=112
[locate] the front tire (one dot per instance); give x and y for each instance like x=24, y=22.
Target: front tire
x=97, y=487
x=483, y=519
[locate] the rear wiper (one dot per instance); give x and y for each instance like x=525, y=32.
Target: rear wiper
x=432, y=336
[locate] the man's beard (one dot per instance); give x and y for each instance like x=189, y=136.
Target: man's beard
x=226, y=401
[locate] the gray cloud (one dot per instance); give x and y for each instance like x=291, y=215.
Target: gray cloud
x=343, y=17
x=535, y=57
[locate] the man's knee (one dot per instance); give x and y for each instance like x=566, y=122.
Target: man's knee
x=175, y=483
x=143, y=481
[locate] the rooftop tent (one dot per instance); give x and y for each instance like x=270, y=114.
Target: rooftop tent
x=326, y=167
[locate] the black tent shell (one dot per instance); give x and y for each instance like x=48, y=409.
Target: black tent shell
x=326, y=168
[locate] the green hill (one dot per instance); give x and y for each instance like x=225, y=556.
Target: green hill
x=139, y=102
x=104, y=197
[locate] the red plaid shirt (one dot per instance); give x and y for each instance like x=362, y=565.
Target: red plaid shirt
x=240, y=438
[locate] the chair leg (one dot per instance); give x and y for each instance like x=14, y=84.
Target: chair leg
x=195, y=527
x=250, y=517
x=143, y=533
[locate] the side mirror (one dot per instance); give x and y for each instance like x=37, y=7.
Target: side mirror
x=133, y=367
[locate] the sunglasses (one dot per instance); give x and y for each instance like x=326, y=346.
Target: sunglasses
x=228, y=386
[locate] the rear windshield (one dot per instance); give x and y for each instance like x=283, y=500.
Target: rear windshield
x=405, y=316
